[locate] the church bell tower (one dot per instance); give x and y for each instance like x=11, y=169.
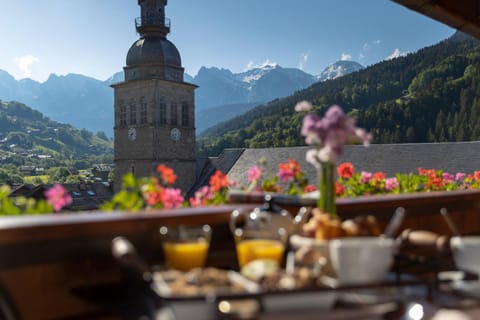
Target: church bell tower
x=154, y=107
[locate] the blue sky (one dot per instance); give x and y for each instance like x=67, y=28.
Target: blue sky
x=92, y=37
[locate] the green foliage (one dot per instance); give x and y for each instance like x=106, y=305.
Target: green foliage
x=29, y=138
x=21, y=205
x=129, y=198
x=25, y=129
x=58, y=174
x=427, y=180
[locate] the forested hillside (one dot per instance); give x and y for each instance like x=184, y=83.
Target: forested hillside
x=27, y=136
x=432, y=95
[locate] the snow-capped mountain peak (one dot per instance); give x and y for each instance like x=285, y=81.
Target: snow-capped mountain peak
x=339, y=69
x=256, y=73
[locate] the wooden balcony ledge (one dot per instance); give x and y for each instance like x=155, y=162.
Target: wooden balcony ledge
x=42, y=258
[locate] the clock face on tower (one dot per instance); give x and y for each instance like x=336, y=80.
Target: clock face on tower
x=132, y=134
x=175, y=134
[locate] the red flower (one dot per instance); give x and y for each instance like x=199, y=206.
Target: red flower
x=427, y=172
x=379, y=176
x=289, y=170
x=345, y=170
x=339, y=189
x=218, y=181
x=310, y=188
x=154, y=197
x=437, y=182
x=476, y=176
x=167, y=174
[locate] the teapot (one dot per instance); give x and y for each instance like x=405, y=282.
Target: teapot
x=268, y=217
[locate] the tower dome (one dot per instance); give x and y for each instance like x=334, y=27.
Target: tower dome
x=153, y=56
x=153, y=50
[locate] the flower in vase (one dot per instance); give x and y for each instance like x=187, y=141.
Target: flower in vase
x=328, y=135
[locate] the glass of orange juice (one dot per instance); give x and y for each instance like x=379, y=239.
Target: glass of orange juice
x=186, y=247
x=259, y=244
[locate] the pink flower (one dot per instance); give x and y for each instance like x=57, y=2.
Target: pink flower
x=365, y=177
x=460, y=176
x=172, y=198
x=391, y=183
x=58, y=197
x=285, y=175
x=201, y=196
x=448, y=177
x=254, y=173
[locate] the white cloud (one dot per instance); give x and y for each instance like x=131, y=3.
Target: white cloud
x=267, y=63
x=367, y=46
x=345, y=57
x=24, y=63
x=361, y=56
x=395, y=54
x=303, y=60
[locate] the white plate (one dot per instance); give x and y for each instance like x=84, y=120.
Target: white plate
x=471, y=288
x=297, y=241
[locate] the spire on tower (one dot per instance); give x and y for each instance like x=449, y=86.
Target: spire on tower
x=152, y=19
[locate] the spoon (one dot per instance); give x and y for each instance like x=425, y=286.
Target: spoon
x=448, y=219
x=126, y=254
x=395, y=222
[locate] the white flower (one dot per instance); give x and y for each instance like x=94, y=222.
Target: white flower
x=303, y=106
x=326, y=154
x=318, y=156
x=363, y=136
x=312, y=157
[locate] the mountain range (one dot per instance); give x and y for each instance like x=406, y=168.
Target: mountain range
x=432, y=95
x=85, y=102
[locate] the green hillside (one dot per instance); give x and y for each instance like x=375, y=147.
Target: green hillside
x=432, y=95
x=28, y=137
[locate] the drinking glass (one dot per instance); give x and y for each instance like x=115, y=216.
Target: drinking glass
x=186, y=247
x=254, y=244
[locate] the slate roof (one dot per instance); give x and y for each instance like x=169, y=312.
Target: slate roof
x=206, y=167
x=389, y=158
x=85, y=196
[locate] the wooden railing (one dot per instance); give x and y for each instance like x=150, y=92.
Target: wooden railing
x=43, y=258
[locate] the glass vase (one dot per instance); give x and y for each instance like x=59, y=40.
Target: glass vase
x=326, y=188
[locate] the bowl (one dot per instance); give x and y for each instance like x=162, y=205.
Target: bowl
x=298, y=242
x=361, y=260
x=466, y=253
x=309, y=251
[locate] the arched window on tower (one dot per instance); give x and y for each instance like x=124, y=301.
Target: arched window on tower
x=173, y=114
x=143, y=111
x=162, y=112
x=133, y=113
x=185, y=114
x=123, y=114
